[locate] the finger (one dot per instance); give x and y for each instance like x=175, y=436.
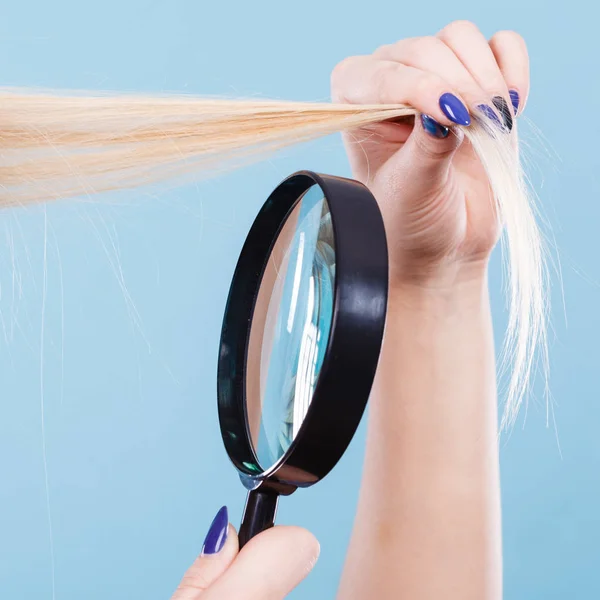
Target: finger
x=219, y=550
x=429, y=150
x=430, y=54
x=269, y=567
x=472, y=49
x=367, y=80
x=510, y=51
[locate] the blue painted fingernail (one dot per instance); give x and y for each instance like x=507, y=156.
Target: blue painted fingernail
x=217, y=533
x=490, y=113
x=454, y=109
x=432, y=127
x=514, y=98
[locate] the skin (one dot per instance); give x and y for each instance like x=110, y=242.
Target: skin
x=269, y=567
x=428, y=520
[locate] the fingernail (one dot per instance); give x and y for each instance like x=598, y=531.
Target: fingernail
x=500, y=103
x=432, y=127
x=454, y=109
x=490, y=113
x=217, y=533
x=514, y=98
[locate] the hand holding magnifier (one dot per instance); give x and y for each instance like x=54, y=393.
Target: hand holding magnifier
x=301, y=337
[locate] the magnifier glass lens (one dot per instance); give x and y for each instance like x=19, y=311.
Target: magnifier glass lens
x=290, y=328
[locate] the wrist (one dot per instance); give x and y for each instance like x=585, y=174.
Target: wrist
x=454, y=289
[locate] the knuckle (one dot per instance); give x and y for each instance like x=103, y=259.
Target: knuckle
x=458, y=29
x=339, y=71
x=383, y=75
x=384, y=50
x=340, y=76
x=423, y=46
x=412, y=50
x=508, y=36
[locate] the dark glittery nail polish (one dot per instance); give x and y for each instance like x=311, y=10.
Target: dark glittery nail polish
x=500, y=103
x=432, y=127
x=217, y=533
x=514, y=98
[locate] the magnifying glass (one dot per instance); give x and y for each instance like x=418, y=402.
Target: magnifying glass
x=301, y=337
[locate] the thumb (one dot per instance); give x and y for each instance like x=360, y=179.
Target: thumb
x=218, y=552
x=429, y=151
x=269, y=567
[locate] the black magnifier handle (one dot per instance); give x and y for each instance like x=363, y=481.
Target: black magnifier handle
x=259, y=514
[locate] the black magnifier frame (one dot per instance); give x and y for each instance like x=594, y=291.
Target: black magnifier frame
x=346, y=376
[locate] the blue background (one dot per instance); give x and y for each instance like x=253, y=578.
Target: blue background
x=134, y=287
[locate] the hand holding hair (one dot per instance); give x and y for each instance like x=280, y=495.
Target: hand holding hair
x=56, y=145
x=444, y=194
x=427, y=176
x=428, y=518
x=269, y=567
